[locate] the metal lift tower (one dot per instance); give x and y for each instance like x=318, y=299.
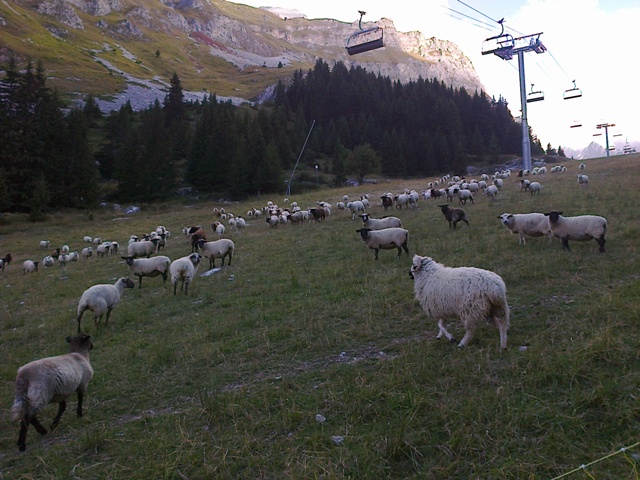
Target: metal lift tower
x=606, y=132
x=505, y=47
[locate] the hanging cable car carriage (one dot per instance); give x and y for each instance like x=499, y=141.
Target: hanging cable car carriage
x=574, y=92
x=365, y=39
x=501, y=45
x=535, y=96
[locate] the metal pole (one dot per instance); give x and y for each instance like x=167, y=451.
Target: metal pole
x=299, y=157
x=606, y=136
x=526, y=144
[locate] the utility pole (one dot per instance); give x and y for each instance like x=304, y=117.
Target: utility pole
x=505, y=47
x=606, y=132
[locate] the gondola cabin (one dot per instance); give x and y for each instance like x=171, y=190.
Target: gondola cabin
x=365, y=39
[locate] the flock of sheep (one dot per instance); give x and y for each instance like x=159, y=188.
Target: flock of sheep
x=470, y=294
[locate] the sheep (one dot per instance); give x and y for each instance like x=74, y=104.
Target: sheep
x=113, y=248
x=87, y=239
x=48, y=261
x=401, y=200
x=86, y=252
x=142, y=249
x=218, y=228
x=29, y=266
x=148, y=267
x=97, y=241
x=4, y=261
x=355, y=208
x=387, y=200
x=531, y=224
x=524, y=184
x=454, y=215
x=273, y=221
x=385, y=239
x=582, y=166
x=63, y=259
x=101, y=299
x=535, y=187
x=463, y=196
x=184, y=269
x=194, y=237
x=380, y=223
x=491, y=191
x=580, y=228
x=103, y=249
x=51, y=380
x=472, y=294
x=44, y=243
x=64, y=249
x=583, y=180
x=241, y=223
x=498, y=182
x=320, y=213
x=219, y=249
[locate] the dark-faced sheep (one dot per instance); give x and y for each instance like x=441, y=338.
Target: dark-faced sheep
x=453, y=215
x=48, y=380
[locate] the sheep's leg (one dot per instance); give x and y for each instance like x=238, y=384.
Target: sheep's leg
x=79, y=319
x=601, y=241
x=565, y=244
x=175, y=286
x=62, y=406
x=164, y=278
x=22, y=436
x=502, y=328
x=466, y=221
x=229, y=264
x=376, y=250
x=443, y=331
x=106, y=322
x=140, y=282
x=79, y=409
x=468, y=336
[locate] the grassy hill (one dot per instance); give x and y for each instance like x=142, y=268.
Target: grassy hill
x=235, y=379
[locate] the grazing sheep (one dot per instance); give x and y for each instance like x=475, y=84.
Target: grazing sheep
x=580, y=228
x=491, y=191
x=87, y=239
x=103, y=249
x=74, y=256
x=29, y=266
x=241, y=223
x=535, y=187
x=64, y=249
x=101, y=299
x=401, y=200
x=184, y=269
x=86, y=252
x=320, y=213
x=531, y=224
x=582, y=166
x=387, y=201
x=524, y=184
x=51, y=379
x=471, y=294
x=48, y=261
x=380, y=223
x=97, y=240
x=385, y=239
x=4, y=261
x=272, y=220
x=44, y=243
x=464, y=195
x=355, y=208
x=194, y=236
x=142, y=249
x=219, y=249
x=454, y=215
x=583, y=180
x=113, y=248
x=148, y=267
x=63, y=259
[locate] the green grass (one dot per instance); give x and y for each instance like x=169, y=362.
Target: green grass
x=227, y=381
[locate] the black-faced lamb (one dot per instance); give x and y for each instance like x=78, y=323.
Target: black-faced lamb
x=580, y=228
x=4, y=261
x=526, y=224
x=454, y=215
x=471, y=294
x=380, y=223
x=218, y=249
x=583, y=180
x=184, y=270
x=385, y=239
x=148, y=267
x=48, y=261
x=101, y=299
x=51, y=379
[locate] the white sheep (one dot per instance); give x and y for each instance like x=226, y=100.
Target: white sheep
x=142, y=249
x=218, y=249
x=218, y=228
x=29, y=266
x=74, y=256
x=241, y=223
x=463, y=195
x=580, y=228
x=48, y=261
x=385, y=239
x=51, y=379
x=87, y=239
x=184, y=270
x=531, y=224
x=64, y=249
x=63, y=259
x=491, y=191
x=471, y=294
x=583, y=180
x=44, y=243
x=148, y=267
x=380, y=223
x=86, y=252
x=101, y=299
x=582, y=166
x=103, y=249
x=535, y=187
x=355, y=207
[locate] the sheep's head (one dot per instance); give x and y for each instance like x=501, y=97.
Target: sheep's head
x=80, y=343
x=364, y=232
x=128, y=283
x=553, y=216
x=128, y=260
x=506, y=219
x=195, y=259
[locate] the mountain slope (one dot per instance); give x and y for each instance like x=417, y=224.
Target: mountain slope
x=104, y=47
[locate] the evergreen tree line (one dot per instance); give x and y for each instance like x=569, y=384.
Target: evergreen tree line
x=364, y=124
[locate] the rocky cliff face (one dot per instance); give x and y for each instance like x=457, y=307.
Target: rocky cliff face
x=242, y=36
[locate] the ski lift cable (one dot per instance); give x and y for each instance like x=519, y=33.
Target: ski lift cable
x=488, y=26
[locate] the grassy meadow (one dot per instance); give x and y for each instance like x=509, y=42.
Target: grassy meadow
x=308, y=359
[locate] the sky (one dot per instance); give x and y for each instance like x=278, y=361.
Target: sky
x=593, y=42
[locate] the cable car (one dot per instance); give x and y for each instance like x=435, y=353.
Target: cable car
x=365, y=39
x=574, y=92
x=576, y=124
x=502, y=44
x=535, y=96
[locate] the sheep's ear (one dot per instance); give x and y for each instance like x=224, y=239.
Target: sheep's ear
x=559, y=213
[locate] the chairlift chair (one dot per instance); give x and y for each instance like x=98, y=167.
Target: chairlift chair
x=535, y=96
x=501, y=45
x=576, y=124
x=574, y=92
x=365, y=39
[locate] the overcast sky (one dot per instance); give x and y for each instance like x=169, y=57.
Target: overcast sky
x=591, y=41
